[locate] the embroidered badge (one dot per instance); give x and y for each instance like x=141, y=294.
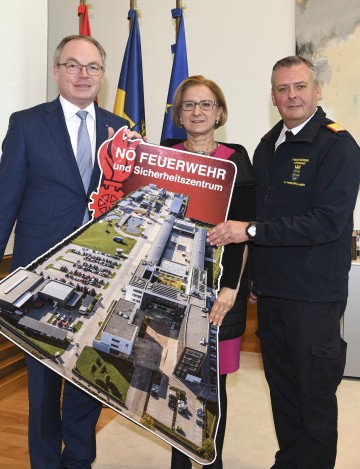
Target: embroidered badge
x=298, y=163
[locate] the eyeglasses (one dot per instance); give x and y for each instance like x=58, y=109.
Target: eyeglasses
x=204, y=105
x=74, y=67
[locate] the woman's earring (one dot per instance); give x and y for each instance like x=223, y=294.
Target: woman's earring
x=217, y=121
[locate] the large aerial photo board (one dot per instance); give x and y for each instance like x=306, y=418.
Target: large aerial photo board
x=120, y=308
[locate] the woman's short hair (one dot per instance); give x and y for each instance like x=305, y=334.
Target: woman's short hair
x=76, y=37
x=196, y=80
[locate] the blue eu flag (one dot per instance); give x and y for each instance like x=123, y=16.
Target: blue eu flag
x=178, y=73
x=129, y=101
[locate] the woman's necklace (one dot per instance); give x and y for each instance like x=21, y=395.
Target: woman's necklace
x=207, y=151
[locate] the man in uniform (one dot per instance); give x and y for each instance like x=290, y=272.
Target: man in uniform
x=308, y=169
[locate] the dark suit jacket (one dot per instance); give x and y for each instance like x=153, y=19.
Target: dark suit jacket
x=40, y=184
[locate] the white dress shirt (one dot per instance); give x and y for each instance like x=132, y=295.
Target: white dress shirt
x=295, y=131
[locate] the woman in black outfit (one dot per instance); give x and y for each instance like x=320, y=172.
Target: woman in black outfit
x=200, y=107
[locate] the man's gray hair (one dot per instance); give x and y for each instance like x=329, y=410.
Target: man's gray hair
x=76, y=37
x=292, y=60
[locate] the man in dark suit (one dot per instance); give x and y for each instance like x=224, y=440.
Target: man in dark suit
x=41, y=189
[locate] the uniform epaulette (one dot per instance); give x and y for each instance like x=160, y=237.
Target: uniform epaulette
x=334, y=127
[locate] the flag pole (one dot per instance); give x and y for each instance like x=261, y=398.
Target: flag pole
x=133, y=6
x=178, y=5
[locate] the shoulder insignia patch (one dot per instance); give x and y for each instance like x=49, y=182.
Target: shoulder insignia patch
x=335, y=127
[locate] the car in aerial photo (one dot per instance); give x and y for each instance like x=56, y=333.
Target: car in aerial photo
x=200, y=413
x=172, y=401
x=155, y=390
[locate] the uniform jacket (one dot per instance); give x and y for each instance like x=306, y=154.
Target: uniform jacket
x=305, y=199
x=40, y=184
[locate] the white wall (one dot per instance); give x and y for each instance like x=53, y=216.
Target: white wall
x=23, y=55
x=236, y=46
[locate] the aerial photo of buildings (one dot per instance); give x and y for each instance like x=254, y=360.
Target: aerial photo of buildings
x=121, y=309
